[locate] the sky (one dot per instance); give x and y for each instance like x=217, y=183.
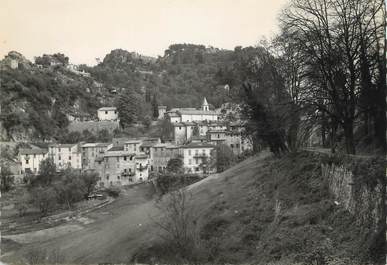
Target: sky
x=88, y=29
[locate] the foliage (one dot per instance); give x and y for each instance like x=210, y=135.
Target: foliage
x=180, y=226
x=335, y=47
x=175, y=165
x=44, y=198
x=113, y=192
x=225, y=158
x=88, y=182
x=35, y=101
x=130, y=107
x=46, y=175
x=7, y=180
x=155, y=107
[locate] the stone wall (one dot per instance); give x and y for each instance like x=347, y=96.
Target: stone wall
x=357, y=185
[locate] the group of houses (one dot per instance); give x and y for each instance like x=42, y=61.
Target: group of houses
x=122, y=162
x=197, y=132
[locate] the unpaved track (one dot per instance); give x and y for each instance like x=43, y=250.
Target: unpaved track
x=119, y=230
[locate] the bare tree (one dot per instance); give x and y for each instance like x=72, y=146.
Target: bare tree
x=335, y=40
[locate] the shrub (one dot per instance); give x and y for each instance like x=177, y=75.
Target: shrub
x=113, y=192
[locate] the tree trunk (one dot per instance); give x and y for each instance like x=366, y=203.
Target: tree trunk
x=349, y=137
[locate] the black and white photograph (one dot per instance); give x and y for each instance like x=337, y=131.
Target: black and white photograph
x=193, y=132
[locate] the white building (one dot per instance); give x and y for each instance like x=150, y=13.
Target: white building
x=198, y=158
x=30, y=160
x=192, y=114
x=66, y=155
x=162, y=110
x=107, y=114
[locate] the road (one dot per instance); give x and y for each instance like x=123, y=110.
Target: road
x=116, y=232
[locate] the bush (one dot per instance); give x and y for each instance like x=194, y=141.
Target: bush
x=113, y=192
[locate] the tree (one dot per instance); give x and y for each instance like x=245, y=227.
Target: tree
x=130, y=107
x=225, y=158
x=104, y=136
x=69, y=188
x=88, y=136
x=175, y=165
x=47, y=173
x=44, y=198
x=88, y=182
x=179, y=224
x=7, y=180
x=338, y=42
x=155, y=107
x=166, y=129
x=265, y=101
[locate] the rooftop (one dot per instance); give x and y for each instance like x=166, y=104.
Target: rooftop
x=197, y=145
x=61, y=145
x=116, y=148
x=33, y=151
x=197, y=112
x=107, y=108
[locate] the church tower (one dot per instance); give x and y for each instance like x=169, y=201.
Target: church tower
x=205, y=106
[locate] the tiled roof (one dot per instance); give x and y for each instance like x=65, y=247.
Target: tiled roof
x=33, y=151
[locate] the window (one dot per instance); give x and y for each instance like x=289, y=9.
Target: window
x=125, y=158
x=196, y=152
x=59, y=158
x=125, y=170
x=69, y=149
x=115, y=112
x=106, y=112
x=34, y=156
x=69, y=157
x=107, y=177
x=218, y=136
x=190, y=161
x=27, y=161
x=58, y=149
x=131, y=158
x=118, y=159
x=231, y=145
x=118, y=177
x=179, y=127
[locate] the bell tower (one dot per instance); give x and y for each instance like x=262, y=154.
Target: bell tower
x=205, y=105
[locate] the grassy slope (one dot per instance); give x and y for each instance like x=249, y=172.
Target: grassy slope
x=240, y=223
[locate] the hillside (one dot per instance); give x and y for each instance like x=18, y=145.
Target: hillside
x=40, y=98
x=265, y=209
x=261, y=210
x=37, y=99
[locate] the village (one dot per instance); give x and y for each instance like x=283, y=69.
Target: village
x=125, y=161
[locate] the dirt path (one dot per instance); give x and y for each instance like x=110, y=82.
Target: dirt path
x=118, y=230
